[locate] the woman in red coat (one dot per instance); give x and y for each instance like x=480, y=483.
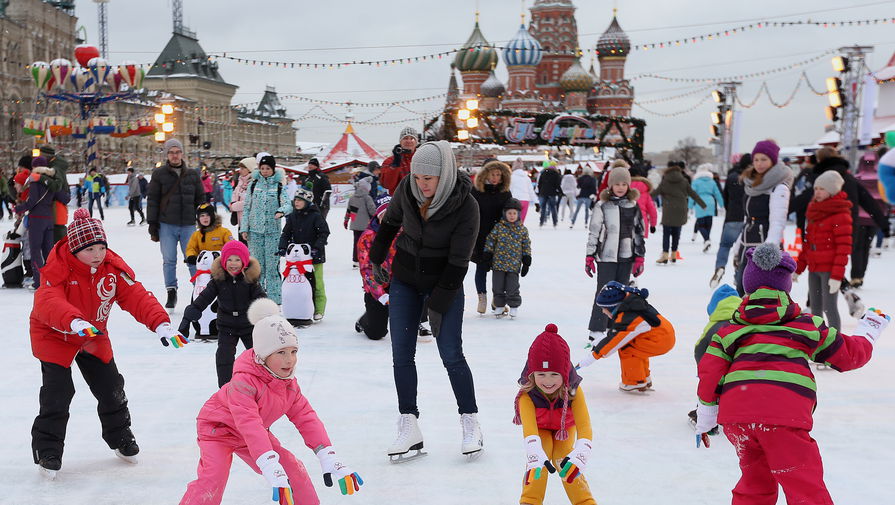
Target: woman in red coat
x=80, y=282
x=828, y=241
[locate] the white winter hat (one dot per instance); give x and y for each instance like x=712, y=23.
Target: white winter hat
x=272, y=331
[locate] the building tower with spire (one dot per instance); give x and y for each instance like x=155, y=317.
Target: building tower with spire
x=474, y=60
x=492, y=92
x=553, y=25
x=522, y=55
x=612, y=95
x=576, y=83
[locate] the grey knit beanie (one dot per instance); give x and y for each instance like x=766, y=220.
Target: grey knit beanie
x=408, y=131
x=618, y=175
x=830, y=181
x=427, y=160
x=172, y=143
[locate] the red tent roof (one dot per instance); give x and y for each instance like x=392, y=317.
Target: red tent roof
x=350, y=149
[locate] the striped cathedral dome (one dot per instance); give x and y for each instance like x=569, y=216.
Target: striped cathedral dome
x=523, y=49
x=476, y=55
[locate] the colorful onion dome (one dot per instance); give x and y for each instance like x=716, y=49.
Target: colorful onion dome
x=576, y=78
x=523, y=49
x=476, y=55
x=614, y=41
x=492, y=87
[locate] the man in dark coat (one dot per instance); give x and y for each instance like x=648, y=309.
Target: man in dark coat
x=174, y=194
x=318, y=183
x=549, y=192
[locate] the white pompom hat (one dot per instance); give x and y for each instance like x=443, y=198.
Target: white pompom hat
x=272, y=331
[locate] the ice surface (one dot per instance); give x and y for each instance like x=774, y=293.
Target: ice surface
x=644, y=451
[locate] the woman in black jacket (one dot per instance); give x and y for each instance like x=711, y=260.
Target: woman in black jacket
x=491, y=191
x=305, y=225
x=440, y=221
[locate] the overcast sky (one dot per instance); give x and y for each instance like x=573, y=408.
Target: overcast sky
x=307, y=31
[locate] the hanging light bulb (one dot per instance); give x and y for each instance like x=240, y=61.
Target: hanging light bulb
x=472, y=104
x=159, y=137
x=472, y=122
x=463, y=114
x=463, y=134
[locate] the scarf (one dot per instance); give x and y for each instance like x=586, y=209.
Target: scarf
x=836, y=204
x=300, y=265
x=778, y=174
x=446, y=182
x=198, y=273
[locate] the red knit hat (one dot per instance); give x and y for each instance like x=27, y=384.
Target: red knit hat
x=84, y=231
x=550, y=353
x=22, y=177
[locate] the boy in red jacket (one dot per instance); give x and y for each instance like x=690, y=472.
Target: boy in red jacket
x=80, y=282
x=827, y=245
x=755, y=380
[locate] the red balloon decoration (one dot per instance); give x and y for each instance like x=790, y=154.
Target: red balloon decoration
x=84, y=53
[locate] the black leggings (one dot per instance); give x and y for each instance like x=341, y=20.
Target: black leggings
x=672, y=233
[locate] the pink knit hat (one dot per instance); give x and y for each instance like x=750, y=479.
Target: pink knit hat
x=235, y=248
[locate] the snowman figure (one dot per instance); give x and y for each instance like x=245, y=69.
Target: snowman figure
x=206, y=327
x=298, y=277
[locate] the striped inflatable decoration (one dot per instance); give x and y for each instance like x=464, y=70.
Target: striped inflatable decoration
x=91, y=149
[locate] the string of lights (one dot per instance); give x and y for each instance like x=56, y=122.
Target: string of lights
x=701, y=89
x=678, y=113
x=740, y=77
x=350, y=103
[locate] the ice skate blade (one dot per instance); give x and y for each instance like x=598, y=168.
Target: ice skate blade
x=47, y=473
x=472, y=456
x=130, y=459
x=406, y=456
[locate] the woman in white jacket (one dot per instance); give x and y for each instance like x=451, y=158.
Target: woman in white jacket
x=569, y=186
x=767, y=184
x=522, y=188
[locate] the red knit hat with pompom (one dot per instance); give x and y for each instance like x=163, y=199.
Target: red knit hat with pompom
x=550, y=353
x=85, y=231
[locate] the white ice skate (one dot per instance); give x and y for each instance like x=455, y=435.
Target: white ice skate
x=410, y=438
x=472, y=436
x=514, y=311
x=641, y=387
x=498, y=312
x=716, y=279
x=855, y=305
x=706, y=246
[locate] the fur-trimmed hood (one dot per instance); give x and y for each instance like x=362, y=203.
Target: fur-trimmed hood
x=48, y=171
x=251, y=274
x=632, y=195
x=644, y=181
x=482, y=177
x=279, y=175
x=215, y=224
x=703, y=174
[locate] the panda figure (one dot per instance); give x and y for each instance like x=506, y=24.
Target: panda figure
x=297, y=293
x=206, y=327
x=11, y=263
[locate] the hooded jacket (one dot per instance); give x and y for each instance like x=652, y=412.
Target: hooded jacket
x=39, y=203
x=756, y=368
x=360, y=206
x=587, y=186
x=234, y=295
x=828, y=237
x=508, y=242
x=306, y=226
x=616, y=231
x=174, y=195
x=208, y=238
x=734, y=197
x=648, y=210
x=319, y=184
x=674, y=190
x=718, y=318
x=521, y=186
x=634, y=317
x=252, y=401
x=491, y=199
x=133, y=186
x=71, y=291
x=264, y=197
x=431, y=254
x=549, y=182
x=704, y=185
x=390, y=176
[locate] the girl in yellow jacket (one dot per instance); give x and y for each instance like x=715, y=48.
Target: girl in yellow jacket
x=210, y=234
x=551, y=408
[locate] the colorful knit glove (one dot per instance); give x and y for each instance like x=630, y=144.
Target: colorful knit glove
x=167, y=334
x=575, y=463
x=706, y=421
x=537, y=460
x=349, y=482
x=872, y=324
x=272, y=470
x=84, y=329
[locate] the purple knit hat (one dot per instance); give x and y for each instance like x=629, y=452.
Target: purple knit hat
x=768, y=148
x=768, y=266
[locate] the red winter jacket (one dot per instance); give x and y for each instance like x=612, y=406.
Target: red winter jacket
x=70, y=291
x=391, y=176
x=828, y=236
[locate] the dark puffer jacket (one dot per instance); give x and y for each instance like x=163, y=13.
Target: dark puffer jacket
x=734, y=197
x=431, y=254
x=234, y=295
x=550, y=183
x=306, y=226
x=674, y=190
x=491, y=199
x=170, y=205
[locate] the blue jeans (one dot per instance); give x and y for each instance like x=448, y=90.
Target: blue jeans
x=95, y=197
x=169, y=235
x=549, y=205
x=405, y=306
x=729, y=235
x=481, y=279
x=586, y=203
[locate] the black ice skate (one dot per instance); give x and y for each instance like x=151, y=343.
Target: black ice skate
x=50, y=464
x=128, y=450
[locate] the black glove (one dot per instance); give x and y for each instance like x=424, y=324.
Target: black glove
x=191, y=260
x=652, y=229
x=526, y=263
x=280, y=252
x=487, y=259
x=435, y=322
x=537, y=207
x=887, y=232
x=440, y=301
x=314, y=253
x=153, y=232
x=380, y=274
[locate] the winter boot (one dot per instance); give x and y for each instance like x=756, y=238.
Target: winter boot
x=318, y=317
x=172, y=298
x=716, y=279
x=128, y=449
x=131, y=223
x=483, y=303
x=663, y=260
x=357, y=327
x=673, y=257
x=410, y=438
x=472, y=435
x=706, y=246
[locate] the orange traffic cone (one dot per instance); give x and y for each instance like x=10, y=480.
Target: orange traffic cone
x=679, y=257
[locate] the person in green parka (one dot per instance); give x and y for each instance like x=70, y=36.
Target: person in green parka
x=674, y=190
x=57, y=182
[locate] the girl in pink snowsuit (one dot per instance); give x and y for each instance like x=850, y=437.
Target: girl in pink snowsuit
x=237, y=419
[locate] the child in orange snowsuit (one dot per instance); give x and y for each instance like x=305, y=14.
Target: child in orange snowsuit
x=637, y=331
x=551, y=408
